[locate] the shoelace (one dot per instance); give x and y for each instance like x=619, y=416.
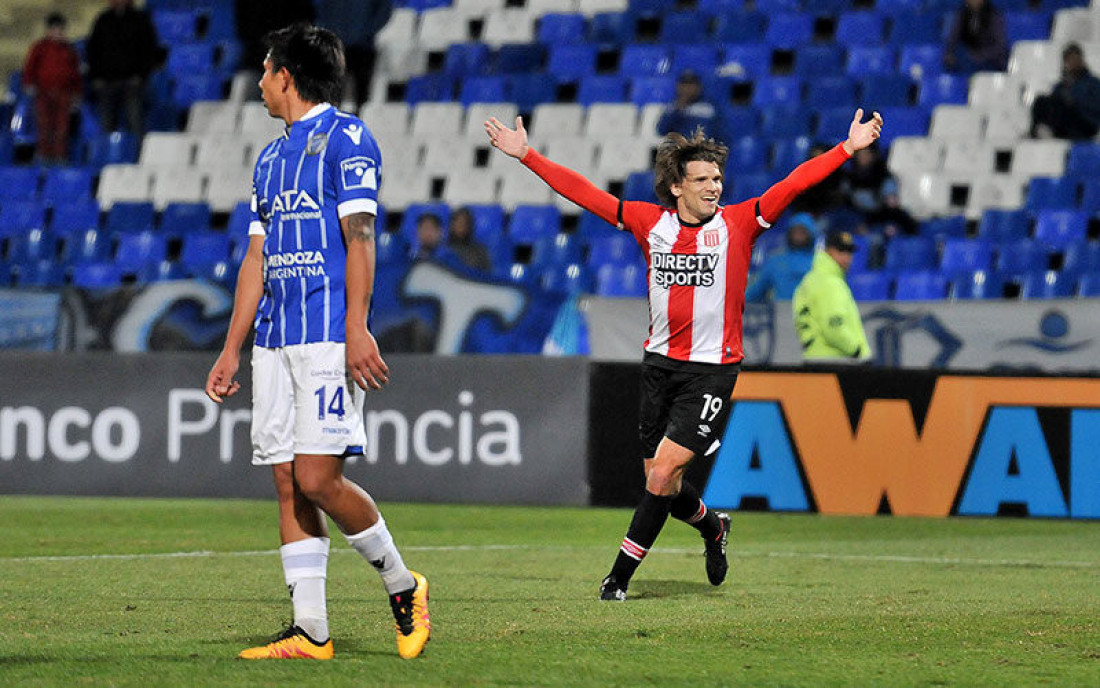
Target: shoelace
x=403, y=612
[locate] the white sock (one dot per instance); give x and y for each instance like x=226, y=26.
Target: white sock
x=376, y=546
x=305, y=565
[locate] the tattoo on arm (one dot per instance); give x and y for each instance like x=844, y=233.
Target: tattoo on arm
x=359, y=227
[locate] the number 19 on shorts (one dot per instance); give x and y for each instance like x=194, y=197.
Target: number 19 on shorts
x=334, y=399
x=712, y=406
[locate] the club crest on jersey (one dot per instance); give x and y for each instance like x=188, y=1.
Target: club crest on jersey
x=711, y=238
x=359, y=172
x=316, y=143
x=292, y=201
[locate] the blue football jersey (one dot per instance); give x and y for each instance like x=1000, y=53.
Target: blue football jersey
x=326, y=166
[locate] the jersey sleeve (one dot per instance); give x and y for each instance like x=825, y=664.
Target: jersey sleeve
x=356, y=166
x=636, y=216
x=776, y=199
x=257, y=224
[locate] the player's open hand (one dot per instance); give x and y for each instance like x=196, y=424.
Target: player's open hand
x=365, y=364
x=220, y=383
x=510, y=141
x=862, y=134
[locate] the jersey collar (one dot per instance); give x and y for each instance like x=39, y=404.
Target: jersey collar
x=315, y=111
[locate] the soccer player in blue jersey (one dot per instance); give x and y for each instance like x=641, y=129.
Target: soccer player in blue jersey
x=306, y=283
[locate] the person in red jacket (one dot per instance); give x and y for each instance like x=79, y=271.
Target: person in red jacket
x=697, y=257
x=52, y=75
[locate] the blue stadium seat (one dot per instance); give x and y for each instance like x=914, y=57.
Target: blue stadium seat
x=18, y=183
x=1049, y=284
x=618, y=248
x=22, y=122
x=561, y=27
x=203, y=248
x=221, y=24
x=571, y=278
x=789, y=153
x=571, y=62
x=1021, y=257
x=174, y=26
x=738, y=121
x=96, y=275
x=830, y=92
x=130, y=216
x=739, y=27
x=773, y=6
x=488, y=221
x=18, y=217
x=943, y=228
x=748, y=153
x=7, y=146
x=717, y=8
x=412, y=214
x=652, y=89
x=591, y=227
x=556, y=250
x=1051, y=193
x=1082, y=257
x=67, y=184
x=602, y=88
x=190, y=88
x=518, y=58
x=745, y=62
x=390, y=249
x=1004, y=226
x=980, y=284
x=466, y=59
x=178, y=219
x=682, y=28
x=965, y=256
x=615, y=28
x=1060, y=228
x=529, y=90
x=43, y=273
x=782, y=121
x=429, y=88
x=904, y=121
x=648, y=8
x=1088, y=285
x=943, y=89
x=892, y=8
x=818, y=60
x=644, y=60
x=88, y=246
x=777, y=90
x=701, y=59
x=740, y=187
x=867, y=60
x=1027, y=26
x=227, y=57
x=920, y=285
x=191, y=58
x=501, y=251
x=110, y=148
x=1090, y=194
x=136, y=250
x=789, y=29
x=623, y=281
x=531, y=223
x=639, y=187
x=31, y=247
x=1083, y=160
x=833, y=123
x=911, y=28
x=870, y=286
x=483, y=89
x=859, y=28
x=920, y=60
x=885, y=91
x=75, y=217
x=239, y=219
x=910, y=253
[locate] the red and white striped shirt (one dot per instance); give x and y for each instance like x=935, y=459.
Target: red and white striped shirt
x=696, y=273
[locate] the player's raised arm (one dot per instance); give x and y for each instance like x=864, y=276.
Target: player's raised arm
x=860, y=135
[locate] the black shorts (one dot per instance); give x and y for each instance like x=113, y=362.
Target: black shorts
x=689, y=408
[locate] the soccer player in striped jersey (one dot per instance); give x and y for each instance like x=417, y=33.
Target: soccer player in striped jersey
x=306, y=282
x=697, y=253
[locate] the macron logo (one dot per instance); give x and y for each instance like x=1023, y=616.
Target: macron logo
x=355, y=133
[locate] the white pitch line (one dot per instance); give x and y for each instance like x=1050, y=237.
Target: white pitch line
x=822, y=556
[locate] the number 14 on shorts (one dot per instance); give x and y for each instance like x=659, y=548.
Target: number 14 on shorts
x=335, y=404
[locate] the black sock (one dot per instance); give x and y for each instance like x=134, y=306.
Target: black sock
x=649, y=518
x=689, y=508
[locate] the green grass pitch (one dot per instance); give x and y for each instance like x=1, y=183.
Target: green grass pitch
x=128, y=592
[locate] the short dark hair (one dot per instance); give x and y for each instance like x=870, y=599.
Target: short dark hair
x=313, y=56
x=430, y=217
x=55, y=19
x=674, y=154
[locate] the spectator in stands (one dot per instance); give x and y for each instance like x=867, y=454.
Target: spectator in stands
x=1072, y=109
x=461, y=242
x=874, y=193
x=255, y=18
x=977, y=40
x=429, y=237
x=826, y=317
x=782, y=271
x=52, y=75
x=827, y=195
x=356, y=22
x=689, y=111
x=122, y=52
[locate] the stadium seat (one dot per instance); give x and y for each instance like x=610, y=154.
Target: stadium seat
x=833, y=123
x=429, y=88
x=616, y=248
x=203, y=248
x=192, y=87
x=96, y=275
x=530, y=224
x=784, y=121
x=699, y=58
x=518, y=58
x=1082, y=257
x=621, y=281
x=639, y=187
x=508, y=25
x=66, y=184
x=788, y=29
x=87, y=246
x=745, y=61
x=556, y=119
x=19, y=217
x=870, y=286
x=859, y=28
x=777, y=90
x=885, y=91
x=390, y=249
x=789, y=153
x=18, y=183
x=943, y=88
x=531, y=90
x=610, y=120
x=741, y=121
x=177, y=185
x=123, y=183
x=174, y=26
x=1021, y=257
x=866, y=61
x=557, y=250
x=488, y=221
x=614, y=28
x=482, y=89
x=813, y=61
x=178, y=219
x=190, y=59
x=571, y=62
x=980, y=284
x=32, y=246
x=464, y=188
x=1004, y=226
x=644, y=60
x=956, y=122
x=466, y=59
x=130, y=216
x=602, y=88
x=42, y=273
x=1040, y=158
x=75, y=217
x=910, y=121
x=1083, y=160
x=1048, y=284
x=683, y=27
x=920, y=285
x=137, y=250
x=591, y=227
x=1027, y=26
x=744, y=186
x=920, y=61
x=116, y=147
x=437, y=120
x=942, y=228
x=831, y=91
x=652, y=89
x=1060, y=228
x=910, y=253
x=227, y=186
x=739, y=27
x=1088, y=285
x=571, y=278
x=1047, y=193
x=924, y=28
x=560, y=27
x=965, y=256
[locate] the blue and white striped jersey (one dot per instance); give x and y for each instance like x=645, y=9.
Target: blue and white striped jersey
x=325, y=167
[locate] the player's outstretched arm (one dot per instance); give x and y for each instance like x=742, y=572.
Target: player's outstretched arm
x=862, y=134
x=511, y=142
x=246, y=298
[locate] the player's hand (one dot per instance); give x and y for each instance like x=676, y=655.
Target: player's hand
x=220, y=382
x=365, y=364
x=863, y=134
x=512, y=142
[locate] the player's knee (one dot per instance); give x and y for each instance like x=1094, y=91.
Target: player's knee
x=663, y=479
x=317, y=488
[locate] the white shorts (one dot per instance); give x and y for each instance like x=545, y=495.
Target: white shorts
x=304, y=403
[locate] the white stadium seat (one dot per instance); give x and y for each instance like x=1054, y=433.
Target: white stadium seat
x=575, y=152
x=440, y=27
x=177, y=185
x=998, y=191
x=214, y=117
x=924, y=195
x=956, y=122
x=470, y=187
x=436, y=120
x=1077, y=25
x=611, y=119
x=399, y=30
x=556, y=119
x=512, y=25
x=1008, y=122
x=166, y=149
x=591, y=7
x=913, y=155
x=523, y=187
x=477, y=7
x=228, y=186
x=619, y=157
x=969, y=157
x=541, y=7
x=647, y=122
x=1042, y=158
x=995, y=90
x=478, y=113
x=444, y=155
x=386, y=120
x=401, y=188
x=256, y=123
x=223, y=150
x=123, y=183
